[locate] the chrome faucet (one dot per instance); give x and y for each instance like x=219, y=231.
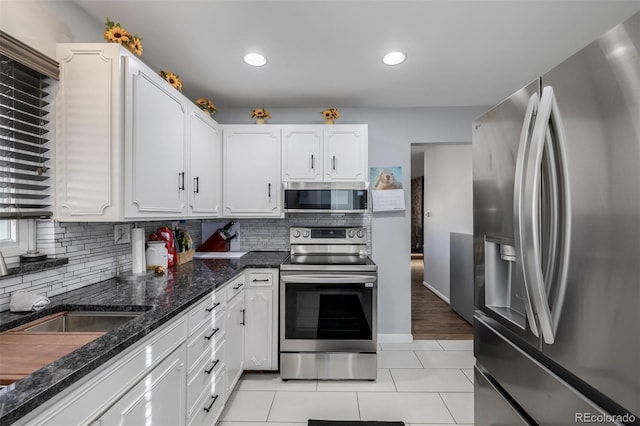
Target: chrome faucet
x=3, y=266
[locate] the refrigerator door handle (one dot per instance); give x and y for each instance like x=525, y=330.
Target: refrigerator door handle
x=518, y=191
x=548, y=123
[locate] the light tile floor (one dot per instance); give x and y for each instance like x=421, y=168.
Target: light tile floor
x=426, y=382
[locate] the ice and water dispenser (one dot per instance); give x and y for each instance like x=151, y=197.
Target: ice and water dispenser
x=505, y=292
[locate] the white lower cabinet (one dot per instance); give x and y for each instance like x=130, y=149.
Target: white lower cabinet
x=157, y=362
x=183, y=372
x=157, y=399
x=261, y=329
x=211, y=402
x=234, y=346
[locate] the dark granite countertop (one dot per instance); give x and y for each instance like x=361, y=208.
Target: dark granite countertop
x=161, y=298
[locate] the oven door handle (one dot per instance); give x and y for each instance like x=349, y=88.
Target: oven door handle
x=328, y=279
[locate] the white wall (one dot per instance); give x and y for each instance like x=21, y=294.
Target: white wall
x=391, y=132
x=41, y=24
x=448, y=197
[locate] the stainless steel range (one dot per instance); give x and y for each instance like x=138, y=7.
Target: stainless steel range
x=328, y=306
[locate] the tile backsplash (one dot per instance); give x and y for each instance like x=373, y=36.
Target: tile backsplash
x=94, y=257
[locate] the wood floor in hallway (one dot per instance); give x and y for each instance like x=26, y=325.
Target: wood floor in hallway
x=431, y=317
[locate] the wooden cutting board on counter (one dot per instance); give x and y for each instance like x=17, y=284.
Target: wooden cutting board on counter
x=22, y=353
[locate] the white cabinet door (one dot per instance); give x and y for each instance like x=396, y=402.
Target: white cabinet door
x=259, y=329
x=345, y=153
x=302, y=153
x=234, y=345
x=155, y=146
x=89, y=133
x=251, y=171
x=204, y=165
x=158, y=399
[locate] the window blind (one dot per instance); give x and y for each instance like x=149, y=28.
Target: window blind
x=25, y=147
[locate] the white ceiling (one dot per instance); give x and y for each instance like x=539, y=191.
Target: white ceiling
x=460, y=53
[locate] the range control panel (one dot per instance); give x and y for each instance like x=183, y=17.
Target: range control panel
x=328, y=235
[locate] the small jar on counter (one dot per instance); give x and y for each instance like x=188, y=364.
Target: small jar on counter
x=157, y=254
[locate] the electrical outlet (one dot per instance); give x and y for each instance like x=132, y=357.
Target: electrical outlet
x=122, y=233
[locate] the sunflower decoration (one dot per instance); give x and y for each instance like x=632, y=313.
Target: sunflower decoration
x=260, y=115
x=172, y=79
x=114, y=33
x=330, y=114
x=206, y=105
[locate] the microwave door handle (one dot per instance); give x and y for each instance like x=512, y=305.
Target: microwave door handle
x=530, y=207
x=523, y=148
x=328, y=279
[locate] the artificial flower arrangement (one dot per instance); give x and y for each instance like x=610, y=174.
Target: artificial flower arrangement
x=330, y=114
x=260, y=115
x=206, y=105
x=114, y=33
x=172, y=79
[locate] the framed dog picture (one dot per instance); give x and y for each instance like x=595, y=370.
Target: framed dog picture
x=386, y=189
x=383, y=178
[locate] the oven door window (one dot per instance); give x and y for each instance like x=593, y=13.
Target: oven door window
x=328, y=311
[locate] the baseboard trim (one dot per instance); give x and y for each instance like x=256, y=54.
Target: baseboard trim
x=395, y=338
x=437, y=293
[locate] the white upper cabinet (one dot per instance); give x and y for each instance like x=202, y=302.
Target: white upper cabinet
x=155, y=145
x=205, y=165
x=302, y=153
x=89, y=132
x=316, y=153
x=346, y=153
x=127, y=140
x=251, y=171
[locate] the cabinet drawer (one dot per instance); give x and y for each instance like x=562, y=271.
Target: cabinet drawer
x=262, y=279
x=202, y=312
x=210, y=403
x=205, y=340
x=235, y=286
x=205, y=373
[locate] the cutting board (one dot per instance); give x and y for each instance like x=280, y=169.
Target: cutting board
x=22, y=353
x=219, y=254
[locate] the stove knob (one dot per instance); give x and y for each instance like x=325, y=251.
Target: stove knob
x=360, y=233
x=351, y=233
x=306, y=233
x=296, y=234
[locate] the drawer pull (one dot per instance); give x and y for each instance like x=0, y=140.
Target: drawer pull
x=215, y=330
x=266, y=280
x=212, y=367
x=215, y=305
x=212, y=402
x=238, y=286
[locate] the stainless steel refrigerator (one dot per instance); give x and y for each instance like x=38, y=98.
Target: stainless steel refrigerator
x=556, y=188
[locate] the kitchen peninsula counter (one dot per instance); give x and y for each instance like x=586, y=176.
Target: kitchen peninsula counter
x=159, y=298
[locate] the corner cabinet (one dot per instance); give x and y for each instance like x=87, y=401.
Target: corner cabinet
x=324, y=153
x=251, y=171
x=129, y=146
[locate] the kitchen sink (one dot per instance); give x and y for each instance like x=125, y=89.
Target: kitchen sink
x=78, y=321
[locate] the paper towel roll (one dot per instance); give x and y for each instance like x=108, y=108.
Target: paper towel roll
x=138, y=263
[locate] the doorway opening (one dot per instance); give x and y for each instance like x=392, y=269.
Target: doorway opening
x=441, y=203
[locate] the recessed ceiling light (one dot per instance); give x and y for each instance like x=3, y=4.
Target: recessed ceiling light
x=255, y=59
x=394, y=58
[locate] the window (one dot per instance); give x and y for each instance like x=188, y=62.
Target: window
x=16, y=236
x=26, y=78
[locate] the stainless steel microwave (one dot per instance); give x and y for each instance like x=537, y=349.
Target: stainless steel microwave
x=323, y=197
